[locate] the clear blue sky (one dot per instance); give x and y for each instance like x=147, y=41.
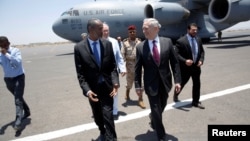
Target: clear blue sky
x=30, y=21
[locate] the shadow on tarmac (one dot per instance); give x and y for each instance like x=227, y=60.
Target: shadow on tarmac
x=65, y=54
x=151, y=136
x=130, y=103
x=18, y=132
x=228, y=44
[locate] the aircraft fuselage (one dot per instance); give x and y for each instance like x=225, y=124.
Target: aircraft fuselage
x=174, y=15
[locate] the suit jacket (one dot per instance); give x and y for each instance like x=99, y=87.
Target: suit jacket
x=154, y=74
x=88, y=71
x=184, y=51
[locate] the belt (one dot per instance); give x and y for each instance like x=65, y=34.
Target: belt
x=130, y=59
x=11, y=78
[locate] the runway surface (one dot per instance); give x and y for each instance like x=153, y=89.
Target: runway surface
x=59, y=111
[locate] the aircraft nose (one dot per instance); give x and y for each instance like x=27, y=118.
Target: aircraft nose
x=58, y=29
x=63, y=29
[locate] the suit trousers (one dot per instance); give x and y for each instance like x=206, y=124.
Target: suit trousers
x=194, y=72
x=16, y=86
x=103, y=112
x=157, y=106
x=115, y=105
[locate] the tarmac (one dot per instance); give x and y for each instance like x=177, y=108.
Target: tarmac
x=60, y=112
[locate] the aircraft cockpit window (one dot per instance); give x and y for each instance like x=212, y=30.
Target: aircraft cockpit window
x=75, y=13
x=64, y=13
x=67, y=13
x=64, y=21
x=70, y=13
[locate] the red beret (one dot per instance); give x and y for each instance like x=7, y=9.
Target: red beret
x=131, y=27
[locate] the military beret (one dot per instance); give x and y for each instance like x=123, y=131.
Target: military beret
x=131, y=27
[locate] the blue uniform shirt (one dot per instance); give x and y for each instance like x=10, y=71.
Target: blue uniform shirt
x=12, y=62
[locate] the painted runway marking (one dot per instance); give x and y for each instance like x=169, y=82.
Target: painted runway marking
x=89, y=126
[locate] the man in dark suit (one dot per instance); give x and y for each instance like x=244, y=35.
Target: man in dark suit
x=191, y=56
x=154, y=55
x=98, y=77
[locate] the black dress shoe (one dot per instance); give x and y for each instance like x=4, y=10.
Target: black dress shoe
x=198, y=105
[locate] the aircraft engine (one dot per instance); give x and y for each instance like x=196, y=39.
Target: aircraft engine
x=229, y=11
x=166, y=13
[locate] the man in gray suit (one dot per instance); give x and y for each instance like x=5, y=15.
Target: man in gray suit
x=154, y=55
x=98, y=77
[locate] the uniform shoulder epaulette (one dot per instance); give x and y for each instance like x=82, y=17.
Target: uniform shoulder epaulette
x=125, y=40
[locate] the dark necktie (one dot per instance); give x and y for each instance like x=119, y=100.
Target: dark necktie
x=193, y=49
x=120, y=45
x=156, y=54
x=97, y=56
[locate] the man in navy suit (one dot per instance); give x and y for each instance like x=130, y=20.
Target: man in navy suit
x=191, y=56
x=155, y=55
x=98, y=77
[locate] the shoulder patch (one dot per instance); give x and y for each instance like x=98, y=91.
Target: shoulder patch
x=125, y=40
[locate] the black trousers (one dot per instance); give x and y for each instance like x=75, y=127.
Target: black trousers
x=103, y=112
x=194, y=72
x=157, y=106
x=16, y=86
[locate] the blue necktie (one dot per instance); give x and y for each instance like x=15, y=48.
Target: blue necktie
x=97, y=56
x=156, y=54
x=193, y=49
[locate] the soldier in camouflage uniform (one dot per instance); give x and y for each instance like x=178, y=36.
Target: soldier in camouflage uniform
x=128, y=51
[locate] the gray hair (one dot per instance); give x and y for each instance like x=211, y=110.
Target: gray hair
x=104, y=23
x=152, y=22
x=84, y=34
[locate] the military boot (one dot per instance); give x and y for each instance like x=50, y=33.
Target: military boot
x=127, y=95
x=141, y=103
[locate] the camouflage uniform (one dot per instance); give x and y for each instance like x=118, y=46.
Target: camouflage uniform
x=128, y=51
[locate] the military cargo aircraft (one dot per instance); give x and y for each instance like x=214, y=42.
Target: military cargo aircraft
x=174, y=16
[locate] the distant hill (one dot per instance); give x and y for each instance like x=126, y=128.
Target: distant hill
x=41, y=44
